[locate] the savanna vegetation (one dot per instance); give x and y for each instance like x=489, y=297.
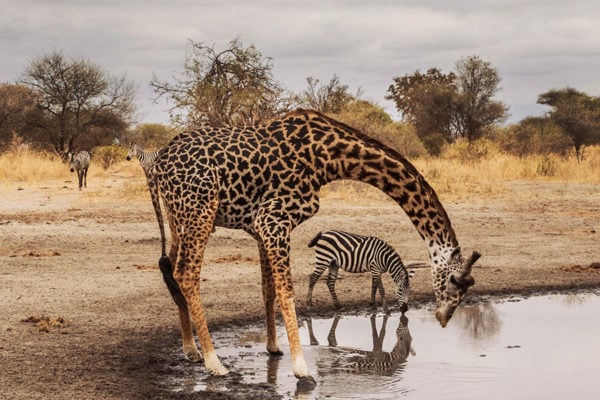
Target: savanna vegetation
x=450, y=121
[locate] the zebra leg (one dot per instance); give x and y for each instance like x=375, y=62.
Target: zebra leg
x=80, y=177
x=85, y=177
x=379, y=284
x=331, y=278
x=373, y=291
x=331, y=339
x=268, y=292
x=314, y=277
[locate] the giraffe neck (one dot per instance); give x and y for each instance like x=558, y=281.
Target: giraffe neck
x=355, y=156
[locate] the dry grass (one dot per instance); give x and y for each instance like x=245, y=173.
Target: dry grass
x=452, y=177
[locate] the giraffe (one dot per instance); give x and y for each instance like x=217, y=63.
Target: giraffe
x=265, y=180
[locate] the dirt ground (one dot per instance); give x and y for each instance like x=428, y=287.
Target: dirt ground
x=84, y=312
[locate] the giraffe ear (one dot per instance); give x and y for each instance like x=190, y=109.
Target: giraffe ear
x=455, y=255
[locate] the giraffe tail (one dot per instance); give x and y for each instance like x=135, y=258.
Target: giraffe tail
x=314, y=240
x=167, y=272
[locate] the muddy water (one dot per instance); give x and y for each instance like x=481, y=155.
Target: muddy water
x=544, y=347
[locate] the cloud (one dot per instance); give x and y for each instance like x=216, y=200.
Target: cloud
x=536, y=45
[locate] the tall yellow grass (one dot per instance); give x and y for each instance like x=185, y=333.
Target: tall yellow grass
x=452, y=178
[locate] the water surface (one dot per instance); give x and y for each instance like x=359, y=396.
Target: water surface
x=545, y=347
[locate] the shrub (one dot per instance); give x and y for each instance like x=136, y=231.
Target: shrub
x=468, y=152
x=107, y=156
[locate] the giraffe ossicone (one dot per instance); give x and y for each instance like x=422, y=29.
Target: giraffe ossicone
x=265, y=180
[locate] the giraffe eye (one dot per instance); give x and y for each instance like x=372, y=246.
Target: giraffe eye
x=453, y=280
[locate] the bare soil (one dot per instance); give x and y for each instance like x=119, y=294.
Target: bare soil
x=84, y=312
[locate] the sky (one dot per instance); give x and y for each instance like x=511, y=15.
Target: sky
x=535, y=45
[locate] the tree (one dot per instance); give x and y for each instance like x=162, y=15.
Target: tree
x=534, y=135
x=477, y=82
x=445, y=107
x=150, y=136
x=230, y=87
x=372, y=120
x=577, y=113
x=79, y=102
x=329, y=98
x=16, y=101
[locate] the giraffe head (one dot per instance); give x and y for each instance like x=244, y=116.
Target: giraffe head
x=451, y=282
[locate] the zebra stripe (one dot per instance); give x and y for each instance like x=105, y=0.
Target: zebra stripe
x=80, y=162
x=357, y=254
x=146, y=158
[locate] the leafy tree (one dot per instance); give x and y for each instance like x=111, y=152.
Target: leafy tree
x=150, y=136
x=79, y=102
x=230, y=87
x=477, y=82
x=372, y=120
x=329, y=98
x=16, y=101
x=534, y=135
x=577, y=113
x=445, y=107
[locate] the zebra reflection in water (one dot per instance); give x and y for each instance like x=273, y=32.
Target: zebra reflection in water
x=345, y=359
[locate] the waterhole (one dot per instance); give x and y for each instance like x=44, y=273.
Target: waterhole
x=545, y=347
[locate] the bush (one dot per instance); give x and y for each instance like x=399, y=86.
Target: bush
x=468, y=152
x=107, y=156
x=546, y=167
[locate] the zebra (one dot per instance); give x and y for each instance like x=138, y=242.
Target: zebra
x=80, y=161
x=355, y=253
x=344, y=359
x=146, y=158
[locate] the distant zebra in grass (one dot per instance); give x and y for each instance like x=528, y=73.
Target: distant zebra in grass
x=80, y=162
x=146, y=159
x=355, y=253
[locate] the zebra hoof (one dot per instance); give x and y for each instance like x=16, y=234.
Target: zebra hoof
x=306, y=384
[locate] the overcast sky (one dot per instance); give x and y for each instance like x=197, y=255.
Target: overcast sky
x=535, y=45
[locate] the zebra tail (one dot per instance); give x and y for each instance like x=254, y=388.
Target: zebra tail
x=314, y=240
x=167, y=272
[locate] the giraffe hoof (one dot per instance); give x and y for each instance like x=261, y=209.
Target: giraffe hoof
x=306, y=384
x=194, y=356
x=275, y=353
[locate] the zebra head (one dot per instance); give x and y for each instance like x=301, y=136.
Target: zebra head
x=402, y=292
x=451, y=284
x=134, y=150
x=72, y=163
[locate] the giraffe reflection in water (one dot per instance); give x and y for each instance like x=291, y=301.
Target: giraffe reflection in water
x=345, y=359
x=479, y=321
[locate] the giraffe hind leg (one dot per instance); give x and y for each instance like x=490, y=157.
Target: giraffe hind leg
x=189, y=344
x=190, y=253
